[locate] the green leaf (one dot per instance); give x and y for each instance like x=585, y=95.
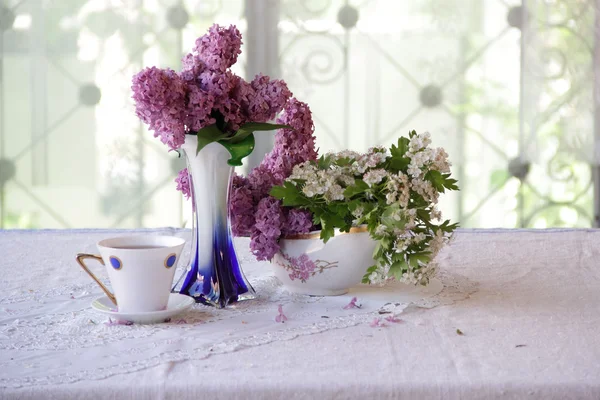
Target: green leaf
x=447, y=227
x=398, y=160
x=437, y=180
x=359, y=187
x=398, y=268
x=371, y=269
x=414, y=260
x=327, y=232
x=449, y=183
x=289, y=194
x=344, y=162
x=387, y=218
x=208, y=135
x=324, y=162
x=417, y=200
x=238, y=150
x=249, y=128
x=423, y=215
x=402, y=148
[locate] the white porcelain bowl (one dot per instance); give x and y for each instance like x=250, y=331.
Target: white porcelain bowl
x=306, y=265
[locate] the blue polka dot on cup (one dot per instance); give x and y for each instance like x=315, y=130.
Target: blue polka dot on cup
x=115, y=262
x=170, y=260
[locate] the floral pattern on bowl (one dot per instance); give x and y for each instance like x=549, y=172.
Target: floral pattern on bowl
x=303, y=267
x=306, y=265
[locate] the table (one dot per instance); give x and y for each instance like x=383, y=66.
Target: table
x=530, y=327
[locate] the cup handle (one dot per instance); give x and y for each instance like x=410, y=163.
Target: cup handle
x=83, y=256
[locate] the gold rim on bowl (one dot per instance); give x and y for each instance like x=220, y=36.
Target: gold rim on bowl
x=317, y=234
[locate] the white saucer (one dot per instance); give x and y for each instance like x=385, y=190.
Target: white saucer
x=177, y=304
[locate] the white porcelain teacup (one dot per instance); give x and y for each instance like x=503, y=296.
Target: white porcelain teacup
x=140, y=269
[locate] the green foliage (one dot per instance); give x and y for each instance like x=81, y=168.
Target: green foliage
x=404, y=231
x=358, y=188
x=290, y=195
x=250, y=127
x=239, y=149
x=239, y=144
x=207, y=135
x=440, y=181
x=399, y=161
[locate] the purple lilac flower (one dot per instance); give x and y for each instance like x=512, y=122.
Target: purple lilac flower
x=198, y=108
x=376, y=323
x=183, y=183
x=261, y=181
x=297, y=221
x=280, y=315
x=159, y=97
x=220, y=48
x=393, y=319
x=232, y=114
x=352, y=304
x=271, y=96
x=292, y=146
x=219, y=84
x=263, y=247
x=191, y=67
x=241, y=207
x=269, y=219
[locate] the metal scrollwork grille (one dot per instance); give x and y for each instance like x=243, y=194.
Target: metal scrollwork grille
x=508, y=87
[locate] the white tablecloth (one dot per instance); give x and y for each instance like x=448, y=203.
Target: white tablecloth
x=530, y=329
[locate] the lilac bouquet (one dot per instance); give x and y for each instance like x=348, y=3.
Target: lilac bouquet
x=253, y=211
x=206, y=99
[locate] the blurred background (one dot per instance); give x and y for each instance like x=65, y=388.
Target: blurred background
x=510, y=88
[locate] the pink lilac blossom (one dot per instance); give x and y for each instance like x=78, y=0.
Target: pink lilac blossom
x=271, y=96
x=160, y=102
x=263, y=247
x=261, y=179
x=191, y=67
x=241, y=207
x=204, y=92
x=295, y=145
x=280, y=316
x=269, y=219
x=219, y=49
x=352, y=304
x=198, y=108
x=239, y=99
x=297, y=221
x=292, y=146
x=376, y=323
x=183, y=183
x=393, y=319
x=219, y=84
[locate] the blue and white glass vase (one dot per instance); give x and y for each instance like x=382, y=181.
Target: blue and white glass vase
x=215, y=276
